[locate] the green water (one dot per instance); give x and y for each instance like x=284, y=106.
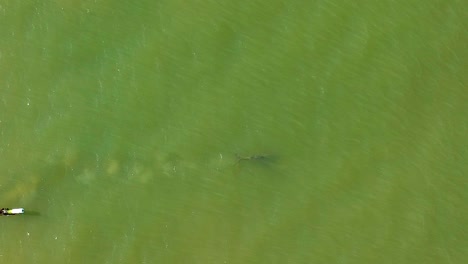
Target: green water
x=121, y=125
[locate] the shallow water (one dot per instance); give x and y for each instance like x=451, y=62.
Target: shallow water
x=121, y=126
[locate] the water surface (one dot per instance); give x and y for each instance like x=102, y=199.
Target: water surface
x=122, y=123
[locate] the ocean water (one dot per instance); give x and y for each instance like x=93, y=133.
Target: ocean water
x=234, y=131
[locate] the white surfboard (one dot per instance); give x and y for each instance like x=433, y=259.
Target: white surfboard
x=16, y=211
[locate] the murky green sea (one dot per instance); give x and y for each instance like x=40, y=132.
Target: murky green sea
x=168, y=131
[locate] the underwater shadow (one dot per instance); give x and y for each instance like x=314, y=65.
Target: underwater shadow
x=31, y=213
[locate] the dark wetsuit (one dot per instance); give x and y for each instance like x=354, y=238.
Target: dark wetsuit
x=4, y=211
